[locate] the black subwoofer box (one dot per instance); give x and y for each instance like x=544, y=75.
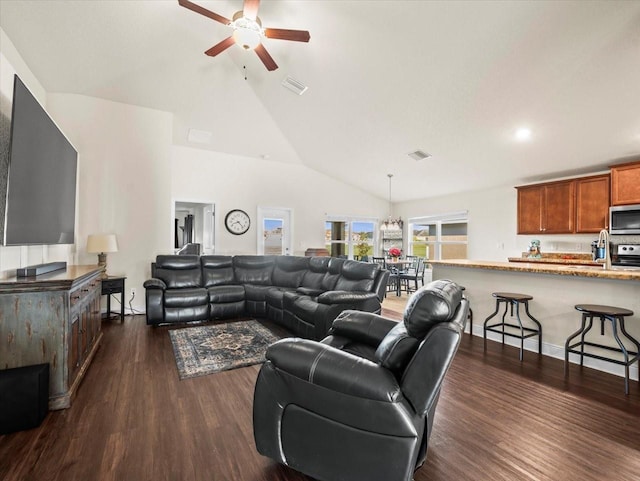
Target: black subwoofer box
x=24, y=397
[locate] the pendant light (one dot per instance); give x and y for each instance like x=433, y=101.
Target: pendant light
x=391, y=224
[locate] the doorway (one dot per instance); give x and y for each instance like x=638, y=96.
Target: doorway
x=194, y=223
x=274, y=231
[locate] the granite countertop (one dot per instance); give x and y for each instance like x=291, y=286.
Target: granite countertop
x=567, y=258
x=545, y=268
x=562, y=261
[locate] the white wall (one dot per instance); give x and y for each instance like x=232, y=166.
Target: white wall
x=124, y=183
x=233, y=182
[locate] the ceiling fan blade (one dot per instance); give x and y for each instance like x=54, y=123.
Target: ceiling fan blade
x=283, y=34
x=250, y=9
x=220, y=47
x=267, y=60
x=204, y=11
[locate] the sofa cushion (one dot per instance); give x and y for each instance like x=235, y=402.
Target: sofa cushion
x=303, y=307
x=357, y=276
x=186, y=314
x=222, y=294
x=217, y=270
x=434, y=303
x=318, y=267
x=275, y=296
x=333, y=274
x=289, y=271
x=256, y=299
x=396, y=349
x=178, y=271
x=186, y=297
x=255, y=270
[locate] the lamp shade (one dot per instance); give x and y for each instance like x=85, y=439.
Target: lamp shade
x=98, y=243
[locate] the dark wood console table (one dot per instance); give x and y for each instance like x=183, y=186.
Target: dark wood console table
x=52, y=318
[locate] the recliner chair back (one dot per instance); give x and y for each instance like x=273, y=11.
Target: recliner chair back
x=178, y=271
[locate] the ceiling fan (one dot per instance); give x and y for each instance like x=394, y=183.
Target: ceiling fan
x=247, y=31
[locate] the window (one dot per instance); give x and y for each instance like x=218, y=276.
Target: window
x=353, y=238
x=439, y=237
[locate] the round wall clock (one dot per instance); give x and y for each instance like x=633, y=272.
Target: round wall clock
x=237, y=221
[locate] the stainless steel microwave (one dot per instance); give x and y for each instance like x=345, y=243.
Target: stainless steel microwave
x=624, y=219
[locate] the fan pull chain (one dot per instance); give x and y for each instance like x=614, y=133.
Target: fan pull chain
x=245, y=71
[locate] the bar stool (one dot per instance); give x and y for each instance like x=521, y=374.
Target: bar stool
x=616, y=316
x=469, y=317
x=513, y=300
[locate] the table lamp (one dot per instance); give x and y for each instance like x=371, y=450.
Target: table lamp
x=101, y=244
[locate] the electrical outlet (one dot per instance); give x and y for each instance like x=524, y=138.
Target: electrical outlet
x=133, y=292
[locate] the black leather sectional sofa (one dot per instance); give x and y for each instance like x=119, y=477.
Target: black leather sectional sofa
x=303, y=294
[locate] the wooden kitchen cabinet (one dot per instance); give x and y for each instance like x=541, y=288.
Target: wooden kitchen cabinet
x=625, y=184
x=592, y=203
x=547, y=208
x=530, y=209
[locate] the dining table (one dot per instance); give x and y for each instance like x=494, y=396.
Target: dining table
x=396, y=266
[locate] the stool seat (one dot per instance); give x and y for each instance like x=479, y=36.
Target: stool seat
x=604, y=310
x=512, y=296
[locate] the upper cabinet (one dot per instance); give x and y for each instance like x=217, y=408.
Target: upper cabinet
x=529, y=209
x=565, y=207
x=625, y=184
x=547, y=208
x=592, y=204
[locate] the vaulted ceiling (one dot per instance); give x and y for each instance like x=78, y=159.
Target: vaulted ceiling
x=385, y=78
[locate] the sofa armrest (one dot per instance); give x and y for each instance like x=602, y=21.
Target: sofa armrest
x=307, y=291
x=154, y=284
x=364, y=327
x=345, y=297
x=331, y=368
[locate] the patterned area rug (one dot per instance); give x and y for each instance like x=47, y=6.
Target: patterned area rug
x=204, y=350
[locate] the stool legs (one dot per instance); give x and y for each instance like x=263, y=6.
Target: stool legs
x=569, y=339
x=500, y=326
x=537, y=323
x=487, y=320
x=586, y=327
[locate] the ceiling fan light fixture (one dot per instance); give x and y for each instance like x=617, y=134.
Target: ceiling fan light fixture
x=247, y=33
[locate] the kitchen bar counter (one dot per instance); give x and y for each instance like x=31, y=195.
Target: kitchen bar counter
x=556, y=289
x=546, y=268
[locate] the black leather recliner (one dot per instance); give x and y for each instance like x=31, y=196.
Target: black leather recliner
x=359, y=405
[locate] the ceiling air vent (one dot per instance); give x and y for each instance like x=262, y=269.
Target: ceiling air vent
x=295, y=86
x=419, y=155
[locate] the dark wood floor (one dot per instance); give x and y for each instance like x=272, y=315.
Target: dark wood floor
x=497, y=419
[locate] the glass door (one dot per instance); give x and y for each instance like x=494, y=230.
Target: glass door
x=274, y=231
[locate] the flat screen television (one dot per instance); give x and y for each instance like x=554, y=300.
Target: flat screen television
x=41, y=183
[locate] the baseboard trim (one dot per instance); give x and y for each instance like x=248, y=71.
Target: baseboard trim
x=557, y=352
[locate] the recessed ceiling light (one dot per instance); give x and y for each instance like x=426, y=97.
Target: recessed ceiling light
x=419, y=155
x=523, y=134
